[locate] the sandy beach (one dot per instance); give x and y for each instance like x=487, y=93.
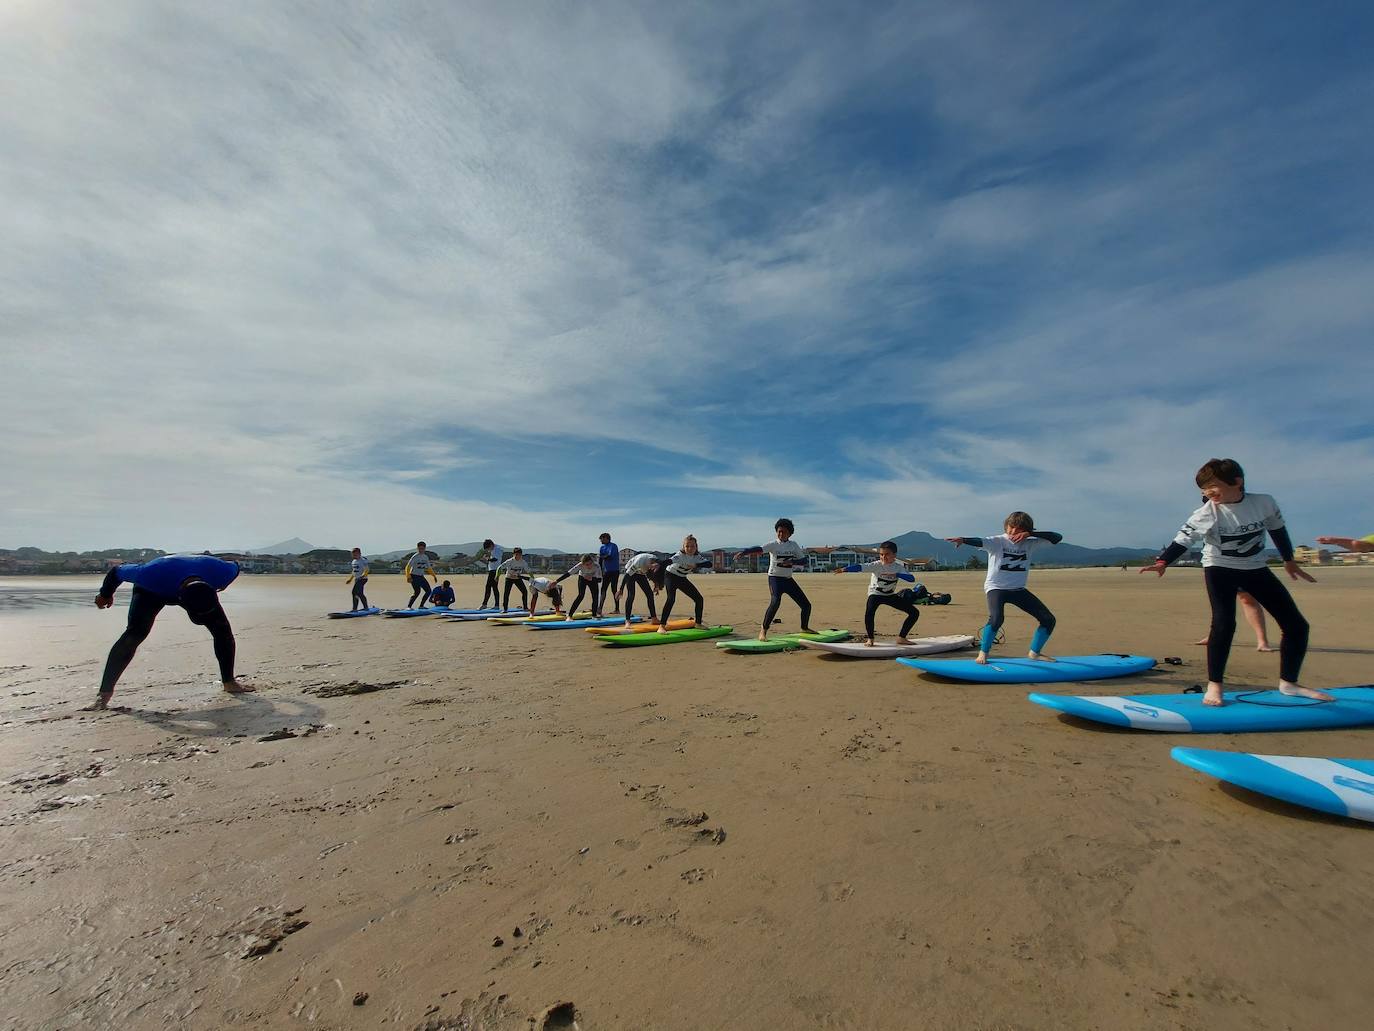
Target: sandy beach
x=466, y=826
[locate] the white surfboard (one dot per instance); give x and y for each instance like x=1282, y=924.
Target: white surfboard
x=885, y=650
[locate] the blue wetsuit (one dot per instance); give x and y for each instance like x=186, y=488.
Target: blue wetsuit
x=158, y=584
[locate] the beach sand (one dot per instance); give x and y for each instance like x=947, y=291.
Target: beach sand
x=672, y=837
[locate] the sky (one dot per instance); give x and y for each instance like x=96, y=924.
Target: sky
x=367, y=273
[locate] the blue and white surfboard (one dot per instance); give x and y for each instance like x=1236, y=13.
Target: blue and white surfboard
x=354, y=614
x=1244, y=711
x=580, y=624
x=1342, y=787
x=1063, y=669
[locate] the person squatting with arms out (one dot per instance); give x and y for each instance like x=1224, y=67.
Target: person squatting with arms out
x=1230, y=526
x=358, y=572
x=609, y=557
x=672, y=576
x=588, y=574
x=785, y=558
x=491, y=555
x=1009, y=562
x=443, y=596
x=191, y=581
x=418, y=566
x=516, y=571
x=882, y=590
x=638, y=572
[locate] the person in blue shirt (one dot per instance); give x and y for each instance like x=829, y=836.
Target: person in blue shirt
x=190, y=581
x=442, y=597
x=609, y=557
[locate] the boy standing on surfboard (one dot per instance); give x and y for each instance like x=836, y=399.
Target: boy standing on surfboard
x=490, y=555
x=637, y=574
x=417, y=567
x=357, y=576
x=1231, y=527
x=516, y=571
x=882, y=590
x=1009, y=561
x=785, y=558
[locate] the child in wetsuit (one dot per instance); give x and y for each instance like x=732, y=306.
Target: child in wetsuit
x=785, y=559
x=882, y=590
x=638, y=574
x=588, y=574
x=674, y=575
x=443, y=596
x=516, y=571
x=1231, y=527
x=490, y=555
x=1009, y=561
x=417, y=567
x=357, y=576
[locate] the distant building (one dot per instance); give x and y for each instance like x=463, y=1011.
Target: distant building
x=1351, y=558
x=1306, y=555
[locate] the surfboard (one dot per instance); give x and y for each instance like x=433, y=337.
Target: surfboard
x=782, y=642
x=1064, y=669
x=429, y=610
x=354, y=614
x=475, y=617
x=672, y=637
x=643, y=628
x=582, y=624
x=1342, y=787
x=886, y=650
x=523, y=620
x=1244, y=711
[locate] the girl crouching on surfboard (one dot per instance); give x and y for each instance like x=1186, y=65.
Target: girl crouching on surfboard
x=1009, y=561
x=517, y=572
x=1231, y=527
x=674, y=578
x=588, y=574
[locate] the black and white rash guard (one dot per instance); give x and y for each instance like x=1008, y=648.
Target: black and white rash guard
x=639, y=565
x=1008, y=562
x=886, y=576
x=359, y=567
x=419, y=564
x=785, y=558
x=683, y=564
x=588, y=571
x=516, y=569
x=1232, y=536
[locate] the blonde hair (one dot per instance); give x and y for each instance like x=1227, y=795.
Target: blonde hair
x=692, y=538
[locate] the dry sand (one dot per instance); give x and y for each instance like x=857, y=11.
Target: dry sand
x=666, y=838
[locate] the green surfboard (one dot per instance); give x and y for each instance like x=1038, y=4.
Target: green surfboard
x=783, y=642
x=672, y=637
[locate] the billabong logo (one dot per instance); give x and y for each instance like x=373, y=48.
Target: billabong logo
x=1142, y=711
x=1367, y=786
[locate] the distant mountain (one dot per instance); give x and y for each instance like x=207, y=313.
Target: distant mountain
x=295, y=546
x=918, y=544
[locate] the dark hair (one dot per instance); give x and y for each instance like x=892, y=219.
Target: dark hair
x=607, y=535
x=889, y=546
x=1220, y=470
x=1019, y=521
x=488, y=543
x=447, y=584
x=420, y=546
x=514, y=550
x=785, y=524
x=359, y=550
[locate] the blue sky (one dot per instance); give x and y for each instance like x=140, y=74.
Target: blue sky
x=369, y=273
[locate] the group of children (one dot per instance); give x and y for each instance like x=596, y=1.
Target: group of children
x=1230, y=526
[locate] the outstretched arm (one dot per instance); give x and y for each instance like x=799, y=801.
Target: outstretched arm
x=1348, y=543
x=972, y=542
x=108, y=586
x=1048, y=536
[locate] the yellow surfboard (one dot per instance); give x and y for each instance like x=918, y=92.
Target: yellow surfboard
x=641, y=628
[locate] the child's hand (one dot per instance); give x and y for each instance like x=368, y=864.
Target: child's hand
x=837, y=572
x=955, y=541
x=1017, y=536
x=1158, y=567
x=1298, y=573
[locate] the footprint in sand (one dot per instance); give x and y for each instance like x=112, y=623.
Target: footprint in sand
x=836, y=891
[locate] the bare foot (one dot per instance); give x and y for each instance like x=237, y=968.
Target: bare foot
x=627, y=622
x=868, y=642
x=763, y=635
x=663, y=629
x=1264, y=646
x=807, y=630
x=1297, y=690
x=1038, y=657
x=982, y=659
x=102, y=702
x=1212, y=696
x=235, y=687
x=904, y=640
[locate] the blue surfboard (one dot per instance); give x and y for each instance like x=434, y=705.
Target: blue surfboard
x=1244, y=711
x=354, y=614
x=429, y=610
x=1063, y=669
x=481, y=614
x=1342, y=787
x=580, y=624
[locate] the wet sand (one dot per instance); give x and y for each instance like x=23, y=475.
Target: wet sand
x=471, y=825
